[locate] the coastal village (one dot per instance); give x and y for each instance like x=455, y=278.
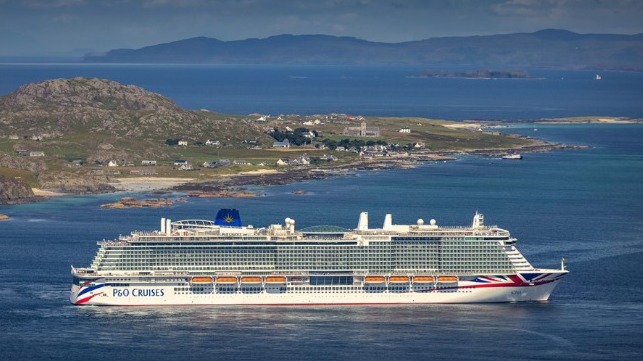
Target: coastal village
x=362, y=140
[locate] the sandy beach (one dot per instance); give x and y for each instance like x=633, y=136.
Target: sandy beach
x=43, y=193
x=144, y=184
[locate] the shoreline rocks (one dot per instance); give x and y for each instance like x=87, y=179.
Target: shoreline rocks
x=223, y=193
x=129, y=202
x=15, y=191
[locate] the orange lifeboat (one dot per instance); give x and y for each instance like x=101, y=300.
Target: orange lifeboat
x=398, y=279
x=250, y=280
x=374, y=279
x=423, y=279
x=226, y=280
x=447, y=279
x=275, y=279
x=201, y=279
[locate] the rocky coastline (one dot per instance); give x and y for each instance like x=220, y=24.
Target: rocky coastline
x=231, y=186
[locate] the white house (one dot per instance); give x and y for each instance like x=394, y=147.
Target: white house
x=112, y=163
x=284, y=144
x=183, y=143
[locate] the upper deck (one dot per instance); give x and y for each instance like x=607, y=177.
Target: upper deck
x=196, y=230
x=205, y=246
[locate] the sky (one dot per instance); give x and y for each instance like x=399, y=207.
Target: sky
x=76, y=27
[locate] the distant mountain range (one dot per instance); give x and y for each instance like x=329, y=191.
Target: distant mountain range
x=559, y=49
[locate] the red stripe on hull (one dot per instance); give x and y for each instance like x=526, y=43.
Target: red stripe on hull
x=86, y=299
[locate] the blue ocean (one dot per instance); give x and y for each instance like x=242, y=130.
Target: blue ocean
x=582, y=204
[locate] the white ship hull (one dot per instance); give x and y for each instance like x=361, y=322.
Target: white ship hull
x=511, y=288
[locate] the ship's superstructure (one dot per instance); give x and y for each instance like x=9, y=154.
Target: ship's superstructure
x=224, y=262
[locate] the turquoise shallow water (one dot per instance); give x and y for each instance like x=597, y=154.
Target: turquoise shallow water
x=584, y=205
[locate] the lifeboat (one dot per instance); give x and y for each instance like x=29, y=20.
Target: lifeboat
x=201, y=279
x=374, y=279
x=447, y=279
x=250, y=280
x=226, y=280
x=423, y=279
x=398, y=279
x=275, y=279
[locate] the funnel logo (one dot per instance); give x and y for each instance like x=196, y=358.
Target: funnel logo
x=228, y=218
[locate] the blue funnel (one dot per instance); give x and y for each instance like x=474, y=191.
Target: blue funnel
x=228, y=218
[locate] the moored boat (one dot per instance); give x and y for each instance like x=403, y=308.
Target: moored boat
x=512, y=156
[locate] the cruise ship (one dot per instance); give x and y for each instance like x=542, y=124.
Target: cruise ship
x=223, y=262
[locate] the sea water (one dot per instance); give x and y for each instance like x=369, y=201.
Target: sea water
x=584, y=205
x=360, y=90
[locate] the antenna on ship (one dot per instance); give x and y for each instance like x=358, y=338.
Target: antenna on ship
x=562, y=263
x=478, y=220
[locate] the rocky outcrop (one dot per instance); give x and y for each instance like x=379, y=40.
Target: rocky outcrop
x=13, y=191
x=24, y=163
x=134, y=203
x=75, y=183
x=87, y=93
x=61, y=107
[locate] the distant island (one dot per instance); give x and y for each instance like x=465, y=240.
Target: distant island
x=476, y=74
x=550, y=48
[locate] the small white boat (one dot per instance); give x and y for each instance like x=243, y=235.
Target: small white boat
x=512, y=156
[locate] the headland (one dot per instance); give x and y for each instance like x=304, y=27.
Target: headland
x=49, y=144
